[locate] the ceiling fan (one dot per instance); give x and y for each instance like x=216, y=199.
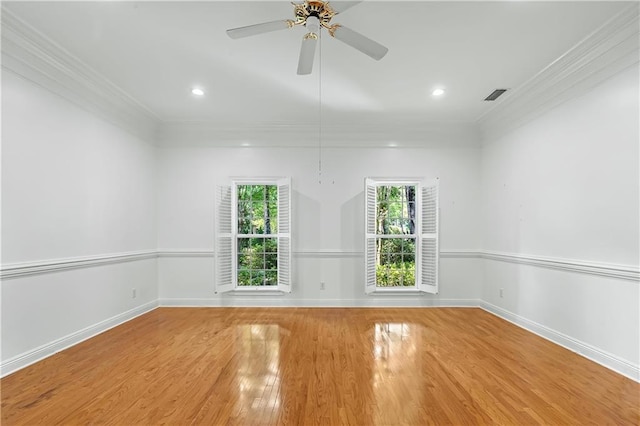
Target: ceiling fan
x=315, y=14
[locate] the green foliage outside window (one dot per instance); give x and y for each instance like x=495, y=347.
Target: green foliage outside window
x=396, y=217
x=396, y=275
x=396, y=262
x=257, y=209
x=257, y=220
x=257, y=261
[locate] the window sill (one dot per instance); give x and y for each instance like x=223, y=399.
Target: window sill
x=399, y=291
x=256, y=291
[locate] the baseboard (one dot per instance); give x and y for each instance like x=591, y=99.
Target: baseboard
x=597, y=355
x=23, y=360
x=369, y=302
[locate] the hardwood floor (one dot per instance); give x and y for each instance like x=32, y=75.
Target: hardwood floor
x=248, y=366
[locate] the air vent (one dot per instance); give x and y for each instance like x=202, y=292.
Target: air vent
x=495, y=95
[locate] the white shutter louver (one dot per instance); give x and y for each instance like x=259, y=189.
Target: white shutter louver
x=370, y=236
x=284, y=235
x=224, y=240
x=429, y=244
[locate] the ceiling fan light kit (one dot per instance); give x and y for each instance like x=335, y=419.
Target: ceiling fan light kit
x=314, y=15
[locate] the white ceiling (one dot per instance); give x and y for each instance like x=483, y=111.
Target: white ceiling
x=156, y=51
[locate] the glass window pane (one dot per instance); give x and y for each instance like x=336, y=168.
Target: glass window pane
x=271, y=261
x=257, y=244
x=257, y=262
x=243, y=260
x=271, y=278
x=244, y=225
x=244, y=277
x=395, y=210
x=243, y=244
x=395, y=265
x=257, y=213
x=254, y=192
x=271, y=245
x=257, y=277
x=244, y=192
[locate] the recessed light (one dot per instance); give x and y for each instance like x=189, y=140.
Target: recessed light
x=438, y=92
x=197, y=92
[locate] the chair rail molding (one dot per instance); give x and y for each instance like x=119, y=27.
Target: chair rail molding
x=23, y=269
x=611, y=270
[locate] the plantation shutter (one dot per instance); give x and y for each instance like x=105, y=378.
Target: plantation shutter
x=370, y=236
x=224, y=240
x=284, y=235
x=429, y=246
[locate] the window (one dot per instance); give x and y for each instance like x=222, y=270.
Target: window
x=401, y=236
x=253, y=235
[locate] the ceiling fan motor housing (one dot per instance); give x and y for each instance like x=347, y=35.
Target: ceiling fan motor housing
x=320, y=9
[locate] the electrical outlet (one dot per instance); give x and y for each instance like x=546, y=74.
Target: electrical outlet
x=133, y=293
x=321, y=285
x=502, y=292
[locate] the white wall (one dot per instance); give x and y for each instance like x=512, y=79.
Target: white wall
x=73, y=187
x=328, y=219
x=566, y=186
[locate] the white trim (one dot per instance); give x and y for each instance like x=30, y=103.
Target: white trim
x=610, y=270
x=460, y=254
x=319, y=253
x=36, y=58
x=248, y=291
x=602, y=54
x=392, y=135
x=18, y=270
x=30, y=357
x=231, y=300
x=186, y=253
x=606, y=359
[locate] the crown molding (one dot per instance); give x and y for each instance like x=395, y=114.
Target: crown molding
x=36, y=58
x=608, y=50
x=388, y=134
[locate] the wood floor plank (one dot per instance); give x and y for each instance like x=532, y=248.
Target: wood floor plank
x=347, y=366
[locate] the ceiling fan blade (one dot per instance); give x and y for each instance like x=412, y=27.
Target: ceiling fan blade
x=307, y=54
x=308, y=48
x=341, y=6
x=360, y=42
x=251, y=30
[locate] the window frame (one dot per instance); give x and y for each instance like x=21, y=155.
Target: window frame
x=426, y=243
x=227, y=234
